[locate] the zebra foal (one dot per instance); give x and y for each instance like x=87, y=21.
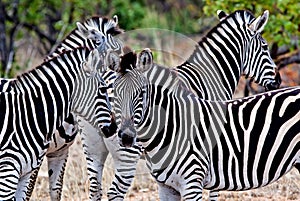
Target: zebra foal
x=193, y=144
x=38, y=102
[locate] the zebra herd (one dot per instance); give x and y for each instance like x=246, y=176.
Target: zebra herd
x=181, y=118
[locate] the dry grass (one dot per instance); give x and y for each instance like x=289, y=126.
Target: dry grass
x=144, y=188
x=76, y=181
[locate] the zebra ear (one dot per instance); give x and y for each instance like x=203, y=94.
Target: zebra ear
x=259, y=23
x=145, y=60
x=222, y=15
x=92, y=63
x=82, y=29
x=113, y=61
x=115, y=18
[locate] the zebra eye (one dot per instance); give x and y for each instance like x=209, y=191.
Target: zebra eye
x=93, y=32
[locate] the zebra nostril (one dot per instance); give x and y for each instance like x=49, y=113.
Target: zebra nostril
x=278, y=79
x=110, y=130
x=274, y=84
x=125, y=139
x=120, y=134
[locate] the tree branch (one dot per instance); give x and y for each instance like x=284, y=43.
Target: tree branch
x=32, y=27
x=288, y=58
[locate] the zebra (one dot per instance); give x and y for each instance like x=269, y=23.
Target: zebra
x=95, y=32
x=192, y=67
x=212, y=72
x=38, y=103
x=233, y=47
x=193, y=144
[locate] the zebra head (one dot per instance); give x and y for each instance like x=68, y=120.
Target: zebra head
x=94, y=107
x=95, y=32
x=131, y=94
x=256, y=59
x=101, y=31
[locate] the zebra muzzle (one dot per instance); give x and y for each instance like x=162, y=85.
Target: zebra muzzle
x=105, y=131
x=126, y=140
x=275, y=84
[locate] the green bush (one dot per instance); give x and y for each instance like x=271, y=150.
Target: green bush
x=284, y=20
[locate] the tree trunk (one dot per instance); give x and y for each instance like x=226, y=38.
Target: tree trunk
x=3, y=52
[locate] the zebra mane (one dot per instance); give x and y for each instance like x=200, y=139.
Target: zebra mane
x=245, y=15
x=239, y=17
x=128, y=60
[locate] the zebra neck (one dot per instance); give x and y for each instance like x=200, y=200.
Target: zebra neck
x=48, y=88
x=74, y=40
x=214, y=68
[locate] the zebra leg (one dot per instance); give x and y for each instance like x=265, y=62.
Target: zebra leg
x=9, y=179
x=57, y=155
x=96, y=154
x=26, y=185
x=167, y=193
x=125, y=161
x=213, y=195
x=56, y=170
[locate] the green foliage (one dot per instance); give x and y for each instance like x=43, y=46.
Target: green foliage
x=284, y=19
x=130, y=13
x=49, y=21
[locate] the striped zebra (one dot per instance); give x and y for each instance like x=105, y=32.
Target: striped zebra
x=193, y=144
x=96, y=32
x=38, y=102
x=232, y=48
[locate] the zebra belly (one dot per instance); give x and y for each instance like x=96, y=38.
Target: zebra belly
x=223, y=185
x=242, y=173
